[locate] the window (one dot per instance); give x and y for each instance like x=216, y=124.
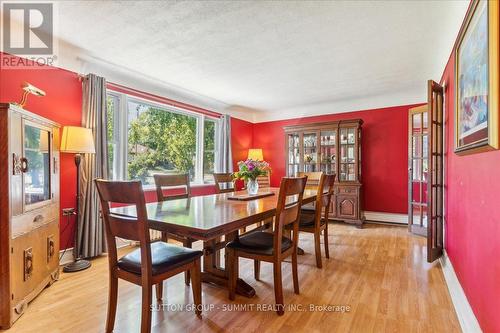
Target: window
x=209, y=149
x=145, y=138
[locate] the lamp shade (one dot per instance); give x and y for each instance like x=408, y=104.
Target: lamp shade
x=77, y=140
x=255, y=154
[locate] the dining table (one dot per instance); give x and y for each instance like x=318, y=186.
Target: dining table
x=214, y=219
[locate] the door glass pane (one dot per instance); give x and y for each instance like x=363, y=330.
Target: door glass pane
x=425, y=122
x=415, y=191
x=293, y=154
x=328, y=151
x=310, y=151
x=416, y=122
x=417, y=220
x=37, y=153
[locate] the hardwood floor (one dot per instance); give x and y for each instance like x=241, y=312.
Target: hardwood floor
x=378, y=272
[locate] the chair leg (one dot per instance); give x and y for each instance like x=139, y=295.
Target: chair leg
x=112, y=301
x=327, y=251
x=187, y=243
x=317, y=248
x=232, y=273
x=146, y=315
x=196, y=285
x=159, y=291
x=295, y=271
x=256, y=269
x=278, y=289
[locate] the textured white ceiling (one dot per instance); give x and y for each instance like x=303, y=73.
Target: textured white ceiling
x=275, y=57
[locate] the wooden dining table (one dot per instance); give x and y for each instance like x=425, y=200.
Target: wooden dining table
x=214, y=219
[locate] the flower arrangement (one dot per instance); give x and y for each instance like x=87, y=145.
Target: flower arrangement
x=251, y=169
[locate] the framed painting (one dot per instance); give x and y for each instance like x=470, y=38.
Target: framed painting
x=476, y=77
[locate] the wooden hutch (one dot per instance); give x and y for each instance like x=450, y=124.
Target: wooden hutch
x=330, y=147
x=29, y=209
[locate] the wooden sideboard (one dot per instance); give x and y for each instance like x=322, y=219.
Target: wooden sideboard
x=330, y=147
x=29, y=209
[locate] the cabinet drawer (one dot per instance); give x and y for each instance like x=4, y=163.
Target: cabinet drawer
x=25, y=223
x=348, y=190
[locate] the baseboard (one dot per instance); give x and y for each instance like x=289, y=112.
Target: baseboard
x=465, y=315
x=386, y=217
x=66, y=256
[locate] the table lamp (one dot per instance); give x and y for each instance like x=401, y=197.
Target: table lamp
x=255, y=154
x=77, y=140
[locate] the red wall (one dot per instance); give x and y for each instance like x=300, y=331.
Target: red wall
x=473, y=219
x=384, y=153
x=63, y=105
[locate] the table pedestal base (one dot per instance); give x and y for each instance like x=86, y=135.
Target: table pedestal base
x=242, y=288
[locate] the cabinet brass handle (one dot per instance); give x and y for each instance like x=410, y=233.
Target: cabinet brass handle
x=24, y=164
x=38, y=218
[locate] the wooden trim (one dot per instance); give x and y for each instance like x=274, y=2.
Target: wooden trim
x=386, y=217
x=467, y=319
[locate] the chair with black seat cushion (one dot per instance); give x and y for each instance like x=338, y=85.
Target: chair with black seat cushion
x=179, y=185
x=311, y=221
x=272, y=247
x=152, y=262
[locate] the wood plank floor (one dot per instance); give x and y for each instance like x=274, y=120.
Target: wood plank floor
x=378, y=273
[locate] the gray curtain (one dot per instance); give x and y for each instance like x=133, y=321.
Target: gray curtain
x=224, y=158
x=90, y=227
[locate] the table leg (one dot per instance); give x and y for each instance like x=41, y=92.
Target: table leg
x=214, y=274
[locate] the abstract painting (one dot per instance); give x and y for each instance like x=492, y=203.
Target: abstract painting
x=477, y=100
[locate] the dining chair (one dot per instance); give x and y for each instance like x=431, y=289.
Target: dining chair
x=313, y=179
x=311, y=221
x=264, y=181
x=271, y=247
x=177, y=183
x=152, y=262
x=224, y=182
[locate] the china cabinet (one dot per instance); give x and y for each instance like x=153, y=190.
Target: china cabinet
x=29, y=209
x=330, y=147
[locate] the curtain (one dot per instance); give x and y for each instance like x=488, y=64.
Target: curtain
x=224, y=158
x=90, y=226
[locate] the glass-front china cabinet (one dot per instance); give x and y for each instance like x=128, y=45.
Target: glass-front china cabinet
x=330, y=147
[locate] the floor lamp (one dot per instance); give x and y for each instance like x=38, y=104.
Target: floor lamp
x=77, y=140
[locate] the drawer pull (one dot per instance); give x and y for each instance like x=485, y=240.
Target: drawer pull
x=38, y=218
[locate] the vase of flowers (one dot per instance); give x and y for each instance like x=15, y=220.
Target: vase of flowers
x=248, y=171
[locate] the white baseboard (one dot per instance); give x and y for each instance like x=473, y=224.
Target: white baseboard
x=386, y=217
x=67, y=255
x=466, y=317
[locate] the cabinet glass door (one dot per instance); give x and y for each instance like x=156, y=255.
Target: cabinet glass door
x=36, y=165
x=328, y=151
x=293, y=154
x=347, y=154
x=310, y=146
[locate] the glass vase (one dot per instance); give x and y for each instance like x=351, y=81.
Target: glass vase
x=252, y=187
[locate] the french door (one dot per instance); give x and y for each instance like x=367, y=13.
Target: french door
x=426, y=171
x=418, y=165
x=435, y=196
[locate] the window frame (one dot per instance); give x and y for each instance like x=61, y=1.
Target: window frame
x=120, y=134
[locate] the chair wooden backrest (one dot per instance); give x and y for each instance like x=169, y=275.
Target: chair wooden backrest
x=324, y=196
x=135, y=229
x=264, y=181
x=224, y=182
x=288, y=209
x=165, y=182
x=313, y=178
